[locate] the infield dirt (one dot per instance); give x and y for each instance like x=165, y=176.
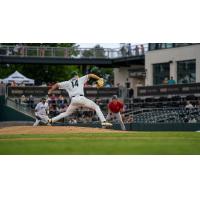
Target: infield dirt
x=53, y=130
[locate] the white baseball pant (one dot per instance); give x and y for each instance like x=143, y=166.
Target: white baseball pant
x=77, y=102
x=118, y=117
x=41, y=118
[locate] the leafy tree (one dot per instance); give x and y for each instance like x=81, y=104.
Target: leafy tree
x=53, y=73
x=95, y=52
x=42, y=73
x=99, y=51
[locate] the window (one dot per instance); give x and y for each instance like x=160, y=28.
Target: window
x=186, y=71
x=154, y=46
x=160, y=73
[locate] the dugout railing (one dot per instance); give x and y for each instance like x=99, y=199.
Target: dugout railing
x=20, y=107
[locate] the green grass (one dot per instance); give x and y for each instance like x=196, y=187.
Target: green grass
x=132, y=143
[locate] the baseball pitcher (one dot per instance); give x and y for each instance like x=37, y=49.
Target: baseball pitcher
x=41, y=112
x=75, y=89
x=114, y=109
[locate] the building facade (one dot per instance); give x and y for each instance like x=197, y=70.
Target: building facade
x=129, y=77
x=181, y=61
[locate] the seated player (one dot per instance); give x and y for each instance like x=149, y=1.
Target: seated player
x=41, y=112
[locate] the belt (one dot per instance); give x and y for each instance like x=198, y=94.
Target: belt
x=77, y=95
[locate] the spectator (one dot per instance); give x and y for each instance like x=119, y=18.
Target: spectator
x=53, y=99
x=189, y=105
x=123, y=51
x=42, y=50
x=66, y=54
x=129, y=49
x=197, y=104
x=53, y=111
x=22, y=50
x=136, y=50
x=142, y=49
x=63, y=108
x=8, y=52
x=60, y=101
x=165, y=81
x=16, y=49
x=94, y=84
x=107, y=85
x=192, y=120
x=2, y=88
x=23, y=100
x=171, y=81
x=22, y=84
x=131, y=92
x=13, y=84
x=44, y=84
x=31, y=101
x=139, y=84
x=127, y=84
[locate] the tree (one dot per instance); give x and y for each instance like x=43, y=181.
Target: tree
x=42, y=73
x=95, y=52
x=99, y=52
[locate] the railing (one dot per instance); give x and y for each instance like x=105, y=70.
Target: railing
x=20, y=107
x=177, y=89
x=74, y=52
x=164, y=114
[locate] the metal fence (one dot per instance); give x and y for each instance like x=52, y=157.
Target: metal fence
x=165, y=115
x=75, y=52
x=20, y=107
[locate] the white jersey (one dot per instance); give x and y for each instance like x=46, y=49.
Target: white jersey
x=41, y=108
x=74, y=86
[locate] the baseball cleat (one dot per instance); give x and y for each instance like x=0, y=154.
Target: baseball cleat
x=49, y=122
x=106, y=124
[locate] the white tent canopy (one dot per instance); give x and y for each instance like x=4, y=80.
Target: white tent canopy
x=18, y=78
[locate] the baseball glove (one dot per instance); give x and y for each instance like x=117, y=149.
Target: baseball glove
x=100, y=83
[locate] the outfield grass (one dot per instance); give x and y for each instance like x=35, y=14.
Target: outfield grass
x=132, y=143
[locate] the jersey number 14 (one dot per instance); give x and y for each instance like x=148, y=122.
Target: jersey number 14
x=74, y=83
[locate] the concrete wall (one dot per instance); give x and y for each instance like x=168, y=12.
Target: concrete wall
x=145, y=126
x=121, y=74
x=174, y=55
x=9, y=114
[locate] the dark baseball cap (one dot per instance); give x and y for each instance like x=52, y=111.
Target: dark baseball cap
x=114, y=97
x=74, y=73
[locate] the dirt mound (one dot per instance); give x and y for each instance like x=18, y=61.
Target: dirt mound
x=52, y=130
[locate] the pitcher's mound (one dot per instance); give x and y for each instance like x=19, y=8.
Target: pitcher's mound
x=53, y=130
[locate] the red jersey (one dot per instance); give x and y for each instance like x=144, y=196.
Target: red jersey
x=115, y=107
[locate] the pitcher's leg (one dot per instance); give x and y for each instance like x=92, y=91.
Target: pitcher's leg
x=36, y=122
x=108, y=116
x=45, y=119
x=68, y=112
x=119, y=118
x=90, y=104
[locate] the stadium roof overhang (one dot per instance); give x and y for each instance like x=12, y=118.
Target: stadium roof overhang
x=100, y=62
